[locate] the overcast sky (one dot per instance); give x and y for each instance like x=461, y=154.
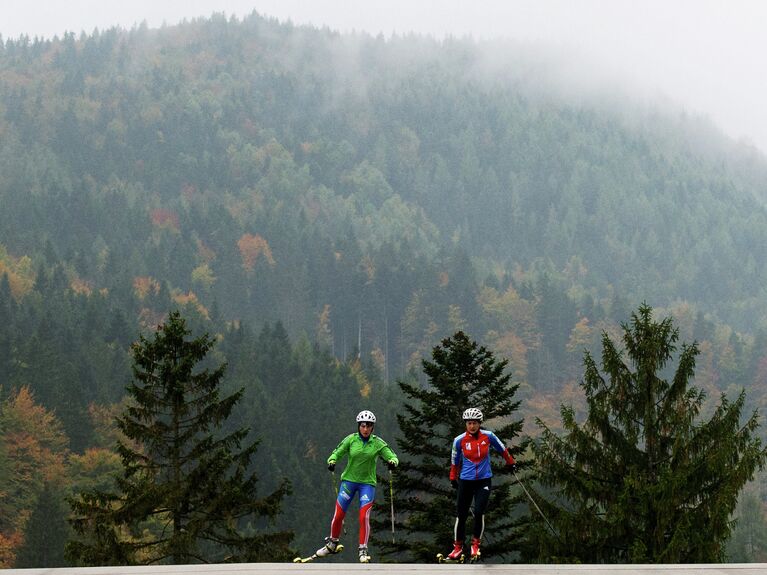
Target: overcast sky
x=709, y=56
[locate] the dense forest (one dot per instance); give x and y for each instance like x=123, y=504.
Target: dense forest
x=329, y=207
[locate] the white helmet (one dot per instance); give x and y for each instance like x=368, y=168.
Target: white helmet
x=472, y=413
x=366, y=416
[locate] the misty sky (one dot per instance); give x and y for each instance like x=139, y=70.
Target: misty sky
x=706, y=55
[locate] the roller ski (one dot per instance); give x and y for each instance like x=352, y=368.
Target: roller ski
x=331, y=547
x=364, y=557
x=455, y=556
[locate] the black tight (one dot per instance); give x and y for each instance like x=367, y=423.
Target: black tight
x=479, y=492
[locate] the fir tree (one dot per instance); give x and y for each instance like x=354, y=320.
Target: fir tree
x=640, y=480
x=46, y=532
x=461, y=374
x=185, y=494
x=748, y=543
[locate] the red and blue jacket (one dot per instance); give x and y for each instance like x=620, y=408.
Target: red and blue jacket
x=470, y=457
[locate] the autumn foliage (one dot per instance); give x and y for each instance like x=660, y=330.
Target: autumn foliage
x=144, y=286
x=251, y=248
x=19, y=273
x=167, y=219
x=33, y=452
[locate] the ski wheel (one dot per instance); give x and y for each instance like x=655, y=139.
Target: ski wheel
x=442, y=559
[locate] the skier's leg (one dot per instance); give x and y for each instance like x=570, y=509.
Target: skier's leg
x=462, y=504
x=345, y=493
x=365, y=523
x=481, y=498
x=337, y=523
x=367, y=496
x=364, y=532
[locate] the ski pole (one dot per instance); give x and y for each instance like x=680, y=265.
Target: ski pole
x=534, y=503
x=391, y=499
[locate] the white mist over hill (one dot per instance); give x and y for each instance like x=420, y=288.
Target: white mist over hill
x=704, y=55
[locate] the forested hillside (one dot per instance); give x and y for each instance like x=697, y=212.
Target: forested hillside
x=329, y=207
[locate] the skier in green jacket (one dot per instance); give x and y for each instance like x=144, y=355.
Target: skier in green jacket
x=359, y=477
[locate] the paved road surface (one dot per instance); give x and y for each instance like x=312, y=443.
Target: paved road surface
x=404, y=569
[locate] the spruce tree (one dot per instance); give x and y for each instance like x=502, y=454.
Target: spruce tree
x=46, y=532
x=186, y=495
x=641, y=480
x=748, y=543
x=460, y=374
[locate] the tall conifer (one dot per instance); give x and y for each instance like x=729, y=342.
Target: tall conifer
x=46, y=532
x=640, y=480
x=185, y=494
x=460, y=374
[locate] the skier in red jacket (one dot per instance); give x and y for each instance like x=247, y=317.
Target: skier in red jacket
x=470, y=474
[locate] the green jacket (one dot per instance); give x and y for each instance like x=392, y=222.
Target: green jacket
x=361, y=467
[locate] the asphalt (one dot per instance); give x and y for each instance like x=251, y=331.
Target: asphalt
x=404, y=569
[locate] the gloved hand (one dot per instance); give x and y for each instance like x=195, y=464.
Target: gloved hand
x=391, y=464
x=454, y=483
x=332, y=466
x=512, y=466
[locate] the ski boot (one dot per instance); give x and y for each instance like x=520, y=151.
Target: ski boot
x=475, y=552
x=331, y=547
x=364, y=557
x=455, y=556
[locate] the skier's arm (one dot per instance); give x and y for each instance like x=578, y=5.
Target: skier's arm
x=341, y=450
x=501, y=448
x=388, y=455
x=456, y=457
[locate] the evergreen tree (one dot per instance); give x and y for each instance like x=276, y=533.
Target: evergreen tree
x=461, y=374
x=185, y=494
x=748, y=543
x=640, y=480
x=46, y=532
